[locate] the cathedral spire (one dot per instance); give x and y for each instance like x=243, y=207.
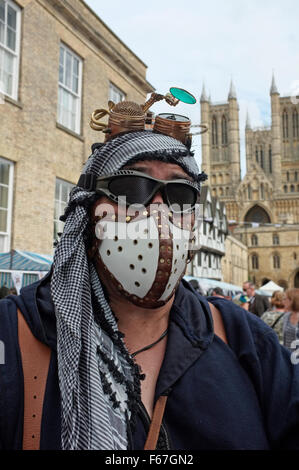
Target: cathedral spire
x=232, y=91
x=204, y=96
x=273, y=89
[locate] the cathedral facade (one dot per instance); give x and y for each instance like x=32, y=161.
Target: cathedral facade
x=263, y=207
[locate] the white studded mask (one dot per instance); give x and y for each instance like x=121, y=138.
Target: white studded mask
x=145, y=258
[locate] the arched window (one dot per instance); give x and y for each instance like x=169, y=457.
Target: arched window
x=254, y=240
x=295, y=124
x=254, y=261
x=270, y=159
x=296, y=176
x=224, y=130
x=288, y=176
x=285, y=188
x=262, y=157
x=257, y=214
x=227, y=191
x=262, y=191
x=249, y=191
x=275, y=239
x=220, y=191
x=214, y=131
x=285, y=124
x=292, y=188
x=276, y=261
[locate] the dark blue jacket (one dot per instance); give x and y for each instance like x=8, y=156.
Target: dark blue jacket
x=244, y=395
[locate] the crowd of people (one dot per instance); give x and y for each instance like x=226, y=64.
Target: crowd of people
x=281, y=312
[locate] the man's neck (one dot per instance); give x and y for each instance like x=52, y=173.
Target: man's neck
x=140, y=326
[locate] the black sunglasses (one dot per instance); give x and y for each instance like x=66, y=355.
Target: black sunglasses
x=139, y=188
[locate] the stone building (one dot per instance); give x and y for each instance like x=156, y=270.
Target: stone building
x=265, y=202
x=58, y=63
x=234, y=264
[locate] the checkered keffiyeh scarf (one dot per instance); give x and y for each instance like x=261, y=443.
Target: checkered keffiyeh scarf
x=99, y=382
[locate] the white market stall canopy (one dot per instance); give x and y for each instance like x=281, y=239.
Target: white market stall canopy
x=271, y=287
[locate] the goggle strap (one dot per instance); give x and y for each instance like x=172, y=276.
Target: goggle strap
x=87, y=181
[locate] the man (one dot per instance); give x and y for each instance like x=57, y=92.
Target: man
x=218, y=292
x=258, y=304
x=125, y=331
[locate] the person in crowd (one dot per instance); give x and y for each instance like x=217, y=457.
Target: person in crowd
x=258, y=304
x=218, y=292
x=136, y=359
x=274, y=316
x=244, y=301
x=291, y=318
x=196, y=286
x=3, y=291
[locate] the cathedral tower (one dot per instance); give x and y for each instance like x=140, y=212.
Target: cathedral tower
x=221, y=144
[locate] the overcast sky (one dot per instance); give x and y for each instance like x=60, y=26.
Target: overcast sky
x=186, y=43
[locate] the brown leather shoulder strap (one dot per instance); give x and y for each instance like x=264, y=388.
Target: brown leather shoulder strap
x=219, y=329
x=35, y=361
x=154, y=430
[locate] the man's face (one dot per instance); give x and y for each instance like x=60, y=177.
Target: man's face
x=248, y=290
x=120, y=235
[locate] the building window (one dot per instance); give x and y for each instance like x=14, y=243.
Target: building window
x=10, y=27
x=295, y=124
x=254, y=240
x=214, y=131
x=6, y=184
x=249, y=191
x=285, y=188
x=276, y=261
x=270, y=159
x=224, y=130
x=262, y=191
x=288, y=176
x=296, y=176
x=255, y=262
x=69, y=89
x=275, y=239
x=62, y=192
x=199, y=258
x=256, y=154
x=262, y=157
x=115, y=94
x=285, y=124
x=292, y=188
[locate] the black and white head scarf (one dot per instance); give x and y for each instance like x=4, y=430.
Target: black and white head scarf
x=99, y=382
